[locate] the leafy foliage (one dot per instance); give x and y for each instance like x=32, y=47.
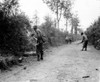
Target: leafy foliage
x=93, y=32
x=59, y=7
x=13, y=28
x=74, y=23
x=53, y=35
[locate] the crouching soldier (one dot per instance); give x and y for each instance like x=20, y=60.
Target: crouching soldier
x=40, y=41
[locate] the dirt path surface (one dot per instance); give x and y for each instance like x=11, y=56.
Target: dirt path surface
x=66, y=63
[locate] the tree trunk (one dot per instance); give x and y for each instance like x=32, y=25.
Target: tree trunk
x=66, y=24
x=72, y=30
x=57, y=23
x=75, y=30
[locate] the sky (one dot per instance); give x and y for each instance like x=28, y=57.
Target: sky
x=88, y=11
x=30, y=7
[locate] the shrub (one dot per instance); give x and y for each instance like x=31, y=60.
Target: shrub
x=53, y=35
x=13, y=28
x=93, y=32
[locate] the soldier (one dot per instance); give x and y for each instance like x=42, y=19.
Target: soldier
x=40, y=41
x=84, y=41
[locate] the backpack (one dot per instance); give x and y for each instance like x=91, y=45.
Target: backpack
x=40, y=38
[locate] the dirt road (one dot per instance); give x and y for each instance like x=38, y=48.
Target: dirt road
x=66, y=63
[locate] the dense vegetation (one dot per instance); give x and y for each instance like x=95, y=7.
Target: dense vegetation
x=53, y=35
x=14, y=28
x=13, y=25
x=93, y=33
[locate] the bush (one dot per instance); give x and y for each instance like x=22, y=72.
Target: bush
x=53, y=35
x=93, y=32
x=13, y=29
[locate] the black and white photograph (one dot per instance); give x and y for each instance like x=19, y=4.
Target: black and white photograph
x=49, y=40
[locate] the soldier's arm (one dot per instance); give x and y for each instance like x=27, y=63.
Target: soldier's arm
x=81, y=41
x=33, y=36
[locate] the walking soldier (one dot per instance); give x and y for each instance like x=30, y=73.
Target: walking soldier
x=40, y=41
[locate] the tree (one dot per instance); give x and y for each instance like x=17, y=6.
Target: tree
x=35, y=18
x=80, y=30
x=93, y=32
x=53, y=35
x=13, y=27
x=9, y=7
x=58, y=7
x=67, y=12
x=74, y=23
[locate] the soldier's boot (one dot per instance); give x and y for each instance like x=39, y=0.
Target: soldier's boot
x=41, y=58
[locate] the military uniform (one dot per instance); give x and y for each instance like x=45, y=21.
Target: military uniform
x=39, y=46
x=85, y=42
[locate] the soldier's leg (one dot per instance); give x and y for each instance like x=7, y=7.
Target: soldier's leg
x=70, y=41
x=86, y=45
x=38, y=53
x=41, y=51
x=41, y=54
x=38, y=56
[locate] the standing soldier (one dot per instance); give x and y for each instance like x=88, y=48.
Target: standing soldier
x=40, y=41
x=84, y=41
